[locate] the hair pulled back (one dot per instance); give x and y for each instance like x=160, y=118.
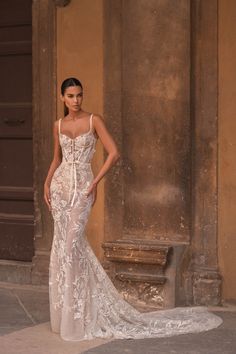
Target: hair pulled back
x=71, y=81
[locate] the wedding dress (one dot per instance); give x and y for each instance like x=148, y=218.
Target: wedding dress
x=84, y=304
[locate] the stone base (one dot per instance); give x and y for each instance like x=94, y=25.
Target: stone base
x=148, y=273
x=137, y=269
x=15, y=272
x=40, y=269
x=26, y=273
x=206, y=288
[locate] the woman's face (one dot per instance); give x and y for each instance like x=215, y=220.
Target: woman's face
x=73, y=98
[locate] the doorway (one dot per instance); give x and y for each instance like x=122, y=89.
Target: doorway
x=16, y=157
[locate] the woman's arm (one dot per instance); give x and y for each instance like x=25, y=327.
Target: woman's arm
x=110, y=147
x=57, y=157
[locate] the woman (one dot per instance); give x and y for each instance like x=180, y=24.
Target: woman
x=84, y=303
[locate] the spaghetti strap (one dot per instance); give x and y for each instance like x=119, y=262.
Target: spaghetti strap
x=59, y=126
x=91, y=122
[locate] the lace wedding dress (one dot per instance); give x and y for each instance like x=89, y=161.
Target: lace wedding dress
x=84, y=303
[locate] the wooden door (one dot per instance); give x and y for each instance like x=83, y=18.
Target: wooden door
x=16, y=165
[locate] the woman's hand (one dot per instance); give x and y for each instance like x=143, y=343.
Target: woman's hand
x=47, y=196
x=93, y=189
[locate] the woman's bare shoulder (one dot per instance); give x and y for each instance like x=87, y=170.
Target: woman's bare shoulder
x=56, y=122
x=97, y=118
x=56, y=125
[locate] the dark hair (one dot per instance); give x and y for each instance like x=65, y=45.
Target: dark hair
x=71, y=81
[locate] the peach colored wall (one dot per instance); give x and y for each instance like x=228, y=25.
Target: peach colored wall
x=227, y=147
x=80, y=54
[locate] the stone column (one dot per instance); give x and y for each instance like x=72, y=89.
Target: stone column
x=44, y=114
x=147, y=101
x=205, y=273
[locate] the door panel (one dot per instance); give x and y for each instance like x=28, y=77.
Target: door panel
x=16, y=77
x=16, y=160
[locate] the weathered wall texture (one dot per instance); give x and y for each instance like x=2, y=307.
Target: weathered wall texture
x=147, y=100
x=147, y=81
x=80, y=54
x=227, y=146
x=169, y=171
x=155, y=76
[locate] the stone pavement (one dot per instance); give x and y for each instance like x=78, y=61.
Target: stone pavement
x=25, y=329
x=22, y=306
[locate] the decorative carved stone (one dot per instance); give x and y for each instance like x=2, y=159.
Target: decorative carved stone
x=62, y=3
x=141, y=294
x=139, y=277
x=136, y=268
x=136, y=251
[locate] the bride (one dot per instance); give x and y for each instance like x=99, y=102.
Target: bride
x=84, y=304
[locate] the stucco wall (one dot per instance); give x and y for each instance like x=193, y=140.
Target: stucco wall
x=80, y=54
x=227, y=146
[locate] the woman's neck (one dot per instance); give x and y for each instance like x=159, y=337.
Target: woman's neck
x=74, y=115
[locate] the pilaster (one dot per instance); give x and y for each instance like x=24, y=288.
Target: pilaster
x=44, y=115
x=206, y=280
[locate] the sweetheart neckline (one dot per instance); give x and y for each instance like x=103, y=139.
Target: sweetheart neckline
x=78, y=136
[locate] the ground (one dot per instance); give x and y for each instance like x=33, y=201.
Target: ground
x=25, y=329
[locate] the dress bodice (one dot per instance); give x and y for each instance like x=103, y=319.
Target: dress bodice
x=77, y=154
x=79, y=149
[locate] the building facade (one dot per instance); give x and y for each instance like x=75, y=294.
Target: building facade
x=161, y=73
